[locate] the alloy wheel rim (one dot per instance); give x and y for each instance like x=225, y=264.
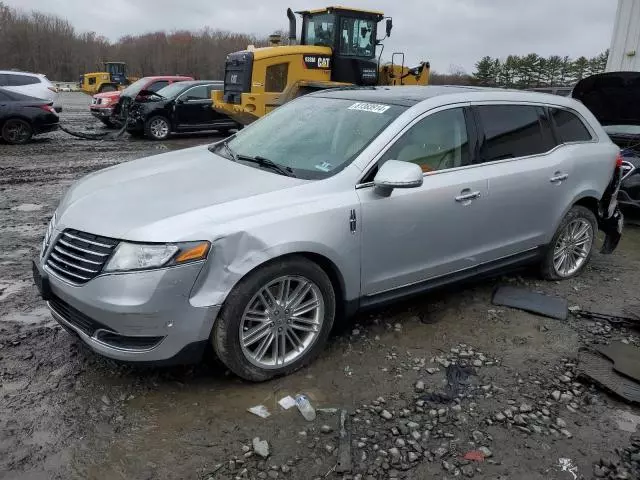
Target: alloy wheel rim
x=572, y=247
x=17, y=131
x=159, y=128
x=281, y=322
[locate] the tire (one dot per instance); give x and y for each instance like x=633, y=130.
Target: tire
x=157, y=128
x=16, y=131
x=226, y=332
x=579, y=217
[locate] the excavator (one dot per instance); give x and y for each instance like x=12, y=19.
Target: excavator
x=337, y=48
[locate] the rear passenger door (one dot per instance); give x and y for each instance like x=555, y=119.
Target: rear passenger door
x=526, y=175
x=192, y=108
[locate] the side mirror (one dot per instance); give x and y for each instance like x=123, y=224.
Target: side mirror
x=389, y=26
x=396, y=174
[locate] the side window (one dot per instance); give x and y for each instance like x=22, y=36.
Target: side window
x=20, y=80
x=276, y=80
x=512, y=131
x=92, y=80
x=436, y=142
x=196, y=93
x=155, y=86
x=569, y=127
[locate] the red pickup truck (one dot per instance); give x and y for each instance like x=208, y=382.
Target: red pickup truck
x=103, y=104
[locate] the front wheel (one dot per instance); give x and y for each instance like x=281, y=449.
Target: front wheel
x=157, y=128
x=572, y=245
x=16, y=131
x=276, y=320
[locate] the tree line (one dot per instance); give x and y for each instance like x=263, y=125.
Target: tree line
x=532, y=70
x=45, y=43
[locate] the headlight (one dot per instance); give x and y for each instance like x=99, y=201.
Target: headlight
x=48, y=233
x=136, y=256
x=106, y=101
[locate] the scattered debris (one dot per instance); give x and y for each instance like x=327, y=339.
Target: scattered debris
x=626, y=421
x=260, y=447
x=474, y=455
x=533, y=302
x=287, y=402
x=305, y=407
x=260, y=410
x=344, y=451
x=600, y=369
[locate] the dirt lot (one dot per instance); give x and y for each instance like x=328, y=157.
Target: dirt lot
x=67, y=413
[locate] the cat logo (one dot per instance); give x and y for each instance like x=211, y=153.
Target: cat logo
x=323, y=62
x=317, y=62
x=234, y=78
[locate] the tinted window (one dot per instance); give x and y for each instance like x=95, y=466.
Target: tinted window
x=20, y=80
x=319, y=30
x=436, y=142
x=569, y=127
x=276, y=79
x=513, y=131
x=4, y=78
x=357, y=37
x=196, y=93
x=155, y=86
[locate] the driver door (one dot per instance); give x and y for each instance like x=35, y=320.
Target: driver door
x=416, y=234
x=192, y=108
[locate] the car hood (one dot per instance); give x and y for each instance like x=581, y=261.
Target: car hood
x=612, y=97
x=129, y=200
x=107, y=95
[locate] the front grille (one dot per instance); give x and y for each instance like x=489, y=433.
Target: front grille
x=75, y=317
x=78, y=256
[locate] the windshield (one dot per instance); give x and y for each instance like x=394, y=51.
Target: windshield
x=173, y=90
x=319, y=30
x=314, y=137
x=133, y=89
x=622, y=129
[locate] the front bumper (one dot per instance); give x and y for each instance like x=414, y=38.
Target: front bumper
x=101, y=112
x=141, y=316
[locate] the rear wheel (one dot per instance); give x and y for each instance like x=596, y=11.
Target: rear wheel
x=157, y=128
x=16, y=131
x=276, y=320
x=572, y=245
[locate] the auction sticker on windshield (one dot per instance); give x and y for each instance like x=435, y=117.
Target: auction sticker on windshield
x=369, y=107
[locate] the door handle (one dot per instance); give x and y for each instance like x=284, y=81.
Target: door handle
x=559, y=177
x=465, y=197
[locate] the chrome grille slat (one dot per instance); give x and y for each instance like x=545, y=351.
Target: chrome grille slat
x=53, y=265
x=86, y=240
x=78, y=257
x=58, y=248
x=80, y=249
x=67, y=262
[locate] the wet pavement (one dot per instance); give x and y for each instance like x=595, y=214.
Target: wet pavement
x=67, y=413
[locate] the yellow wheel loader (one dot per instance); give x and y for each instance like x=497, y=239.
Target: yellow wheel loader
x=114, y=77
x=337, y=48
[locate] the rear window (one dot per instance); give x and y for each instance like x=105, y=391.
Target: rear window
x=21, y=80
x=569, y=127
x=513, y=131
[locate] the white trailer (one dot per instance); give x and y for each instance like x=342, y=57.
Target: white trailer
x=624, y=53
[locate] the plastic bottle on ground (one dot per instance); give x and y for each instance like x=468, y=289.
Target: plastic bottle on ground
x=305, y=407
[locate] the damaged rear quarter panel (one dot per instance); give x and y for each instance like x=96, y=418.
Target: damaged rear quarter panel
x=319, y=225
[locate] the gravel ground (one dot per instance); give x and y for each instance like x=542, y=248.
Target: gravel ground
x=518, y=410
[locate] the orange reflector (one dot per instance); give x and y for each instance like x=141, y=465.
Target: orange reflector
x=196, y=253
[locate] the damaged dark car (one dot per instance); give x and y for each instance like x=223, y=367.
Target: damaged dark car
x=178, y=108
x=614, y=99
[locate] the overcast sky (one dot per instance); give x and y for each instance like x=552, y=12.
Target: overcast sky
x=445, y=32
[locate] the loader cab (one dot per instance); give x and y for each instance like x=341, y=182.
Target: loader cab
x=352, y=36
x=117, y=71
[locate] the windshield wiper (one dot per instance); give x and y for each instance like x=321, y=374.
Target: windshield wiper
x=265, y=162
x=225, y=144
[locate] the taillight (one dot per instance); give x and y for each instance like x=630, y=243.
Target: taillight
x=619, y=160
x=48, y=108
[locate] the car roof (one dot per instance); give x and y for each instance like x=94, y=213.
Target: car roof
x=20, y=72
x=200, y=82
x=168, y=77
x=409, y=96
